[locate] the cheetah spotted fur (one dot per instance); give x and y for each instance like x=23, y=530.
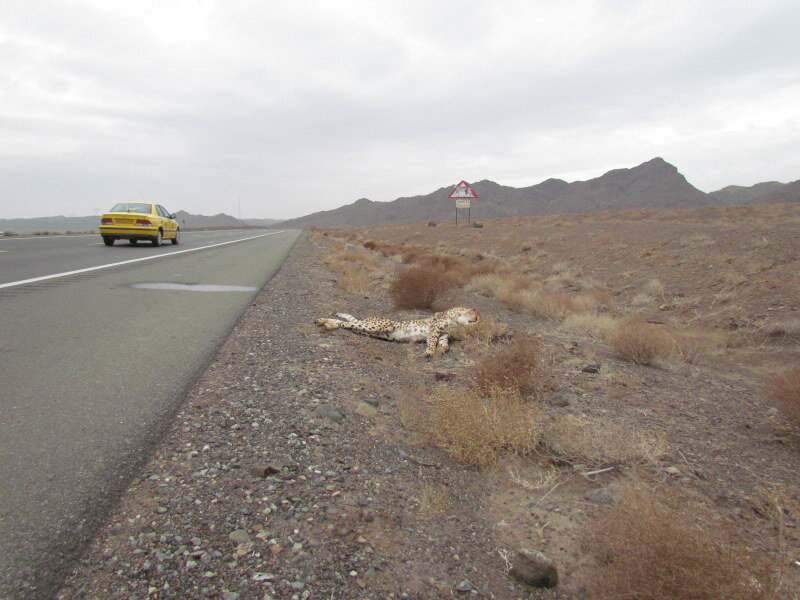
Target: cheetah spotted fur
x=434, y=330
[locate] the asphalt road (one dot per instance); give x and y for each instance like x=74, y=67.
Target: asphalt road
x=93, y=365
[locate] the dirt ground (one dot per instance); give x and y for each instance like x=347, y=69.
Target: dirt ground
x=297, y=467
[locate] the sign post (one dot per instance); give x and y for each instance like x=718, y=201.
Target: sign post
x=463, y=194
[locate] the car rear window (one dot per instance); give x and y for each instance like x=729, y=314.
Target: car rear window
x=138, y=207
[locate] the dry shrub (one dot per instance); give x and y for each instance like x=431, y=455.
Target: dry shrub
x=648, y=547
x=486, y=284
x=477, y=431
x=486, y=331
x=784, y=390
x=519, y=367
x=640, y=342
x=458, y=270
x=601, y=296
x=600, y=443
x=554, y=306
x=591, y=324
x=350, y=279
x=420, y=287
x=694, y=346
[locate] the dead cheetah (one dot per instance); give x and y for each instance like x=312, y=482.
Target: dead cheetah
x=434, y=330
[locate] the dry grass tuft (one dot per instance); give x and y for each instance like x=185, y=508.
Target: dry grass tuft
x=485, y=332
x=640, y=342
x=695, y=346
x=600, y=443
x=785, y=393
x=647, y=547
x=477, y=431
x=351, y=279
x=519, y=367
x=591, y=324
x=420, y=287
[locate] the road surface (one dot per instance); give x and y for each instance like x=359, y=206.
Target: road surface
x=93, y=365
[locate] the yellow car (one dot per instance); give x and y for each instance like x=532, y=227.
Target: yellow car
x=136, y=221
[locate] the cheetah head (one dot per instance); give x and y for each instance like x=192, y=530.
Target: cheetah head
x=462, y=315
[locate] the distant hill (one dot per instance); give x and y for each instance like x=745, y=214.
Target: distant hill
x=737, y=194
x=262, y=222
x=655, y=183
x=191, y=221
x=58, y=224
x=61, y=224
x=789, y=192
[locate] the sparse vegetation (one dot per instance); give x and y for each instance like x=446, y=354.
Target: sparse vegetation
x=420, y=287
x=601, y=443
x=640, y=342
x=477, y=430
x=647, y=546
x=517, y=367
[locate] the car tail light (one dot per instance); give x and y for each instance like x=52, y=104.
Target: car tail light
x=144, y=222
x=106, y=221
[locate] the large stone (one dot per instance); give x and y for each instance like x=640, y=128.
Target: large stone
x=533, y=568
x=240, y=536
x=328, y=412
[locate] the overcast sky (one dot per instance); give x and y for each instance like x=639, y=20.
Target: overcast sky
x=286, y=108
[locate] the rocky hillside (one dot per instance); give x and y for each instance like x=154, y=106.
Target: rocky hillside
x=655, y=183
x=738, y=194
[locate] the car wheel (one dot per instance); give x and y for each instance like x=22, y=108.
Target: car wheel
x=108, y=240
x=157, y=239
x=133, y=242
x=177, y=239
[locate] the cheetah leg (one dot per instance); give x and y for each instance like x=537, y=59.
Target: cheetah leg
x=433, y=342
x=330, y=323
x=346, y=317
x=444, y=342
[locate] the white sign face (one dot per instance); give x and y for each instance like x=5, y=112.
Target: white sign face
x=462, y=203
x=463, y=190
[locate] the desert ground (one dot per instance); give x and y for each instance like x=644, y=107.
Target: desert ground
x=627, y=406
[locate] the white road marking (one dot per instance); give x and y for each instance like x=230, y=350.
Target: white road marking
x=126, y=262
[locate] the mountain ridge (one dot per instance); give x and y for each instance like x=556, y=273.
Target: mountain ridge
x=656, y=180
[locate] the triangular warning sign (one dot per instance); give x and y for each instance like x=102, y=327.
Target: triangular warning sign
x=463, y=190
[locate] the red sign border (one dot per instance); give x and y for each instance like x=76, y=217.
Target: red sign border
x=469, y=187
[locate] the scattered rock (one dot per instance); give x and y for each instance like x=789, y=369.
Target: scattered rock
x=366, y=410
x=673, y=470
x=464, y=586
x=591, y=368
x=533, y=568
x=328, y=412
x=266, y=469
x=240, y=536
x=601, y=495
x=444, y=376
